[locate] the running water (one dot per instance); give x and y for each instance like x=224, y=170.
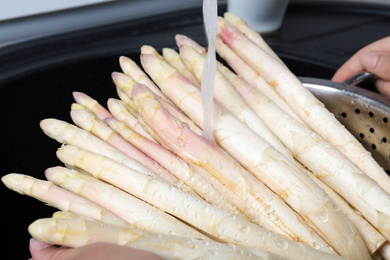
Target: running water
x=209, y=69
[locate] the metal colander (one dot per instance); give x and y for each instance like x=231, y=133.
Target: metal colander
x=364, y=113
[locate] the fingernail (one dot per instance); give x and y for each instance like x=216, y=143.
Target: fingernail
x=369, y=59
x=38, y=245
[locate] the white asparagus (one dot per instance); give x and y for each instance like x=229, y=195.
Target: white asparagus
x=182, y=40
x=240, y=67
x=251, y=76
x=250, y=33
x=131, y=69
x=126, y=84
x=227, y=96
x=371, y=237
x=80, y=232
x=90, y=123
x=91, y=104
x=210, y=219
x=119, y=110
x=275, y=170
x=124, y=98
x=184, y=172
x=173, y=58
x=129, y=208
x=271, y=210
x=59, y=198
x=303, y=102
x=325, y=162
x=66, y=133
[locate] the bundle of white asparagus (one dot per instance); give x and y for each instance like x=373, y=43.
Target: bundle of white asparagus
x=282, y=180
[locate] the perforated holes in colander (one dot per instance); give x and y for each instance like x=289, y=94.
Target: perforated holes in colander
x=371, y=129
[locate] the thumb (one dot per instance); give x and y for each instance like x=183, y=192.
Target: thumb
x=383, y=87
x=377, y=63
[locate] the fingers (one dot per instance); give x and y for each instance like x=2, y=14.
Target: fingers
x=97, y=251
x=377, y=63
x=348, y=69
x=383, y=87
x=354, y=65
x=42, y=251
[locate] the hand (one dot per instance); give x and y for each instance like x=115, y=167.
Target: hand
x=374, y=58
x=98, y=251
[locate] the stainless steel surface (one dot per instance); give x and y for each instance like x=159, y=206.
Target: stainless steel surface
x=364, y=113
x=360, y=77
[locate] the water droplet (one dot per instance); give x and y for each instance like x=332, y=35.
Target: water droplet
x=282, y=244
x=245, y=229
x=316, y=246
x=323, y=215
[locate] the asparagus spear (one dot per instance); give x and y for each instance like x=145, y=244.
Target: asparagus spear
x=126, y=84
x=197, y=212
x=80, y=232
x=91, y=104
x=240, y=66
x=173, y=58
x=226, y=96
x=241, y=25
x=120, y=111
x=264, y=161
x=131, y=69
x=371, y=237
x=90, y=123
x=193, y=147
x=184, y=40
x=59, y=198
x=248, y=74
x=127, y=207
x=303, y=102
x=189, y=175
x=66, y=133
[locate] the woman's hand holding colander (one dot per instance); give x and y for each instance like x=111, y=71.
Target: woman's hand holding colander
x=374, y=58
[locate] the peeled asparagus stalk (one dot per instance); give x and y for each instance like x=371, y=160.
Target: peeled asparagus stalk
x=325, y=161
x=91, y=104
x=240, y=66
x=90, y=123
x=303, y=102
x=66, y=133
x=134, y=211
x=126, y=84
x=104, y=132
x=371, y=237
x=251, y=76
x=184, y=172
x=241, y=25
x=264, y=161
x=120, y=111
x=200, y=214
x=131, y=69
x=80, y=232
x=173, y=58
x=59, y=198
x=250, y=191
x=226, y=96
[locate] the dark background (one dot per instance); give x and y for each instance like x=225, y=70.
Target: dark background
x=37, y=78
